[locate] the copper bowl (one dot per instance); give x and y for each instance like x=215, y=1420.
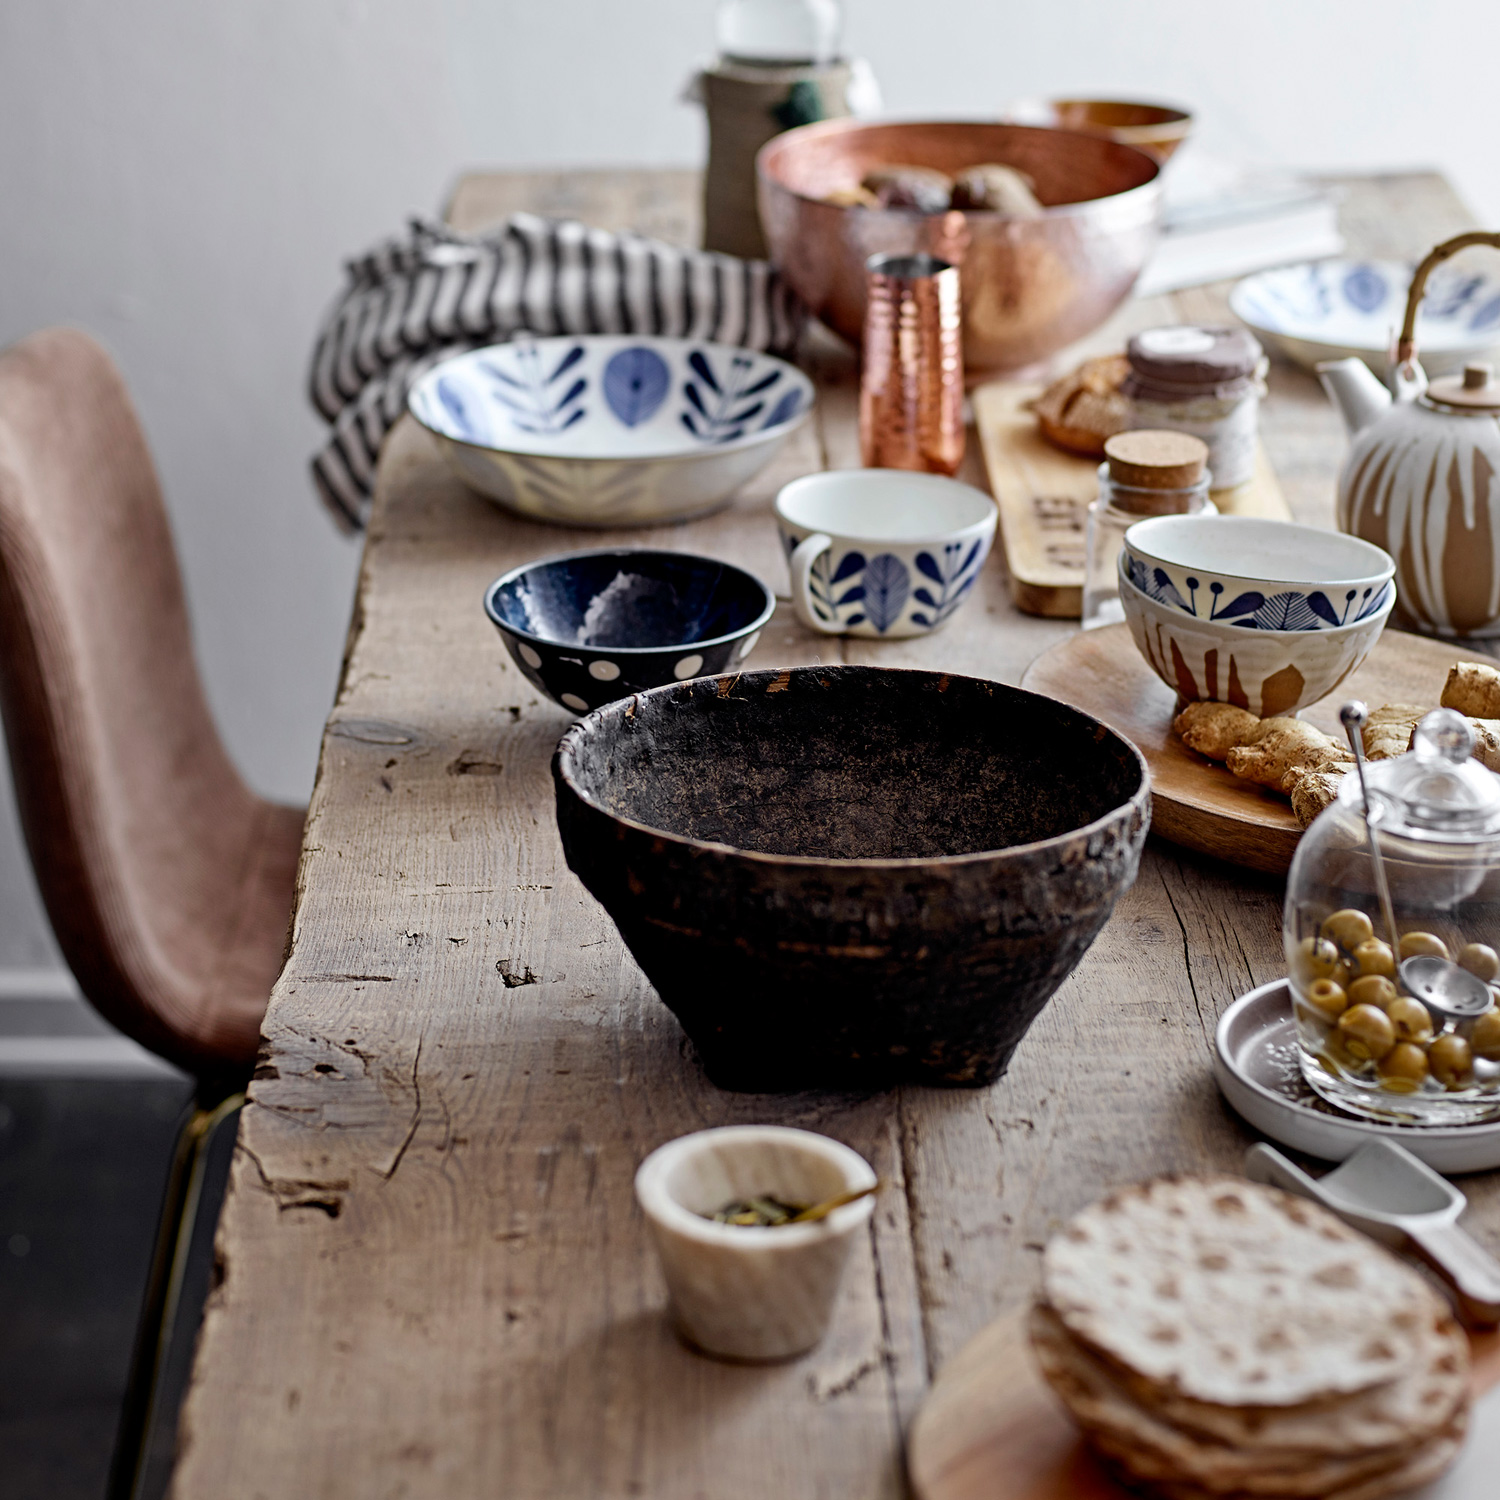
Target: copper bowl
x=1030, y=286
x=1157, y=128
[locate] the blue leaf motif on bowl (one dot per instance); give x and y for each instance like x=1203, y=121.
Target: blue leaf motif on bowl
x=1364, y=288
x=529, y=392
x=887, y=585
x=457, y=407
x=784, y=410
x=722, y=404
x=954, y=573
x=1487, y=316
x=635, y=383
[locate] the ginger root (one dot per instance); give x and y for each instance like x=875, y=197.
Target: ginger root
x=1214, y=729
x=1473, y=688
x=1283, y=748
x=1388, y=731
x=1313, y=790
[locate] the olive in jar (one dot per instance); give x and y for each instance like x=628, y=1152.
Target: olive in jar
x=1480, y=960
x=1327, y=998
x=1348, y=928
x=1485, y=1038
x=1373, y=989
x=1374, y=957
x=1410, y=1020
x=1451, y=1060
x=1403, y=1068
x=1423, y=945
x=1316, y=958
x=1366, y=1032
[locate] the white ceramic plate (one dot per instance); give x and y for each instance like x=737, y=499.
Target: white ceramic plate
x=1255, y=1064
x=1330, y=309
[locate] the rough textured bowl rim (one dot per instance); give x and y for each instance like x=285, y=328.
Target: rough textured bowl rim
x=759, y=623
x=1151, y=185
x=657, y=1203
x=567, y=748
x=1329, y=632
x=781, y=430
x=1386, y=573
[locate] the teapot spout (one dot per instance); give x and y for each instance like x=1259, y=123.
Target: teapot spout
x=1356, y=392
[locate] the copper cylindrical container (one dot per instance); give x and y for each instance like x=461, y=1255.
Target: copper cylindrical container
x=911, y=396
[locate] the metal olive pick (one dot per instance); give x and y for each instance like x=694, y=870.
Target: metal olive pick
x=1354, y=716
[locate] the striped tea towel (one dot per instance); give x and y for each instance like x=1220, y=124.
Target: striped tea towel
x=414, y=300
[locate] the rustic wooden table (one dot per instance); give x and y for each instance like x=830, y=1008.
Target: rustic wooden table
x=432, y=1278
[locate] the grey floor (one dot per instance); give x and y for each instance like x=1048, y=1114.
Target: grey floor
x=86, y=1132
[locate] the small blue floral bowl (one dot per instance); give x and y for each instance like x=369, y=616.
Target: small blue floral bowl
x=595, y=626
x=608, y=430
x=1255, y=574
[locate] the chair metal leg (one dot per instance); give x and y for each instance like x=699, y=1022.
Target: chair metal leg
x=174, y=1239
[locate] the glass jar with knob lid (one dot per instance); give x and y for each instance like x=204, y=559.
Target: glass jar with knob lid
x=1392, y=931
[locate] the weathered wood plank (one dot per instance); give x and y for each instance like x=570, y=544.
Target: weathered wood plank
x=433, y=1280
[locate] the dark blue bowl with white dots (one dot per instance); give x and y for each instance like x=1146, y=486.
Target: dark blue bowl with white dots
x=591, y=627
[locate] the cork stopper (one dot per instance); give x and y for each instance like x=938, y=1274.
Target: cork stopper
x=1150, y=460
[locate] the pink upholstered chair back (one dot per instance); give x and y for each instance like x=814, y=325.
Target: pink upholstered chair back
x=161, y=872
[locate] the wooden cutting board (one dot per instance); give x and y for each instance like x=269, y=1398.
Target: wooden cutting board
x=991, y=1429
x=1044, y=494
x=1196, y=802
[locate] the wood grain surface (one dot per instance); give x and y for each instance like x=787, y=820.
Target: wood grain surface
x=1195, y=802
x=432, y=1280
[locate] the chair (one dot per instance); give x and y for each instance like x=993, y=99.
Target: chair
x=168, y=883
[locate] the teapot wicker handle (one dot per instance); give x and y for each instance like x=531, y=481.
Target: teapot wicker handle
x=1406, y=350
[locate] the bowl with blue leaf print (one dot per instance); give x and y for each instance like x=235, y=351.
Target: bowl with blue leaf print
x=1255, y=574
x=610, y=430
x=881, y=552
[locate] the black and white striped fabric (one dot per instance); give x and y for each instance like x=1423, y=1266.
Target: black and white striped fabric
x=414, y=300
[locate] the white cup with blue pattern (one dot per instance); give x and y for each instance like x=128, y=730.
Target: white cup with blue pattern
x=882, y=552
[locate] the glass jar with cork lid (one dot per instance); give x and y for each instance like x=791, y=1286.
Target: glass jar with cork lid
x=1143, y=474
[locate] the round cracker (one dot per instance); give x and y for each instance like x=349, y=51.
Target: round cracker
x=1154, y=1451
x=1235, y=1294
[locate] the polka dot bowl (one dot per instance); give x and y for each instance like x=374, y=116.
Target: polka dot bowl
x=591, y=627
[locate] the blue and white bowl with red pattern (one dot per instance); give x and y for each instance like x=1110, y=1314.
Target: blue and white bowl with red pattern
x=591, y=627
x=610, y=430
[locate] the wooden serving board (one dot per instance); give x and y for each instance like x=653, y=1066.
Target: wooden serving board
x=991, y=1429
x=1044, y=494
x=1194, y=801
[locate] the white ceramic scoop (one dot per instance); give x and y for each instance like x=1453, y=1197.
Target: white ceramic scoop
x=1387, y=1193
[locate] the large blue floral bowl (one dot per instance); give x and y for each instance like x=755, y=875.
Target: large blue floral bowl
x=606, y=430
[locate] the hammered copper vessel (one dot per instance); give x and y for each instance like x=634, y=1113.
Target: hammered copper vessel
x=911, y=392
x=1030, y=286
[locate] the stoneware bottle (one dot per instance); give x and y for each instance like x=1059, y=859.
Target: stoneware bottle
x=1422, y=479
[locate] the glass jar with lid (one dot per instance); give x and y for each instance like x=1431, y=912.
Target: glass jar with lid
x=1392, y=932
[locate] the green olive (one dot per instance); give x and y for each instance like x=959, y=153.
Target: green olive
x=1421, y=944
x=1410, y=1019
x=1373, y=989
x=1366, y=1032
x=1375, y=957
x=1485, y=1037
x=1451, y=1060
x=1327, y=998
x=1348, y=928
x=1403, y=1068
x=1315, y=958
x=1480, y=959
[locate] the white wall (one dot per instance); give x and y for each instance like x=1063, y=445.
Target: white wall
x=182, y=177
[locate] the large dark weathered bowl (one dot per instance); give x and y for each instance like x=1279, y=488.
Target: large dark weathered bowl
x=1029, y=286
x=851, y=875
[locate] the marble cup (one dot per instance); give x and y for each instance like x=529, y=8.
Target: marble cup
x=882, y=552
x=744, y=1293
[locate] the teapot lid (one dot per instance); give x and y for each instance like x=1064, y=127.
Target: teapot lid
x=1436, y=791
x=1475, y=390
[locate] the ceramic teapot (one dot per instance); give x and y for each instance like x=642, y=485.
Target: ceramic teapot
x=1422, y=478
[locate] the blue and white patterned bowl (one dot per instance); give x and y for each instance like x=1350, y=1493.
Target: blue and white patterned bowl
x=595, y=626
x=610, y=430
x=1330, y=309
x=1265, y=671
x=1255, y=574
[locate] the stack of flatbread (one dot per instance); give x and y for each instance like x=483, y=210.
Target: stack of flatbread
x=1218, y=1338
